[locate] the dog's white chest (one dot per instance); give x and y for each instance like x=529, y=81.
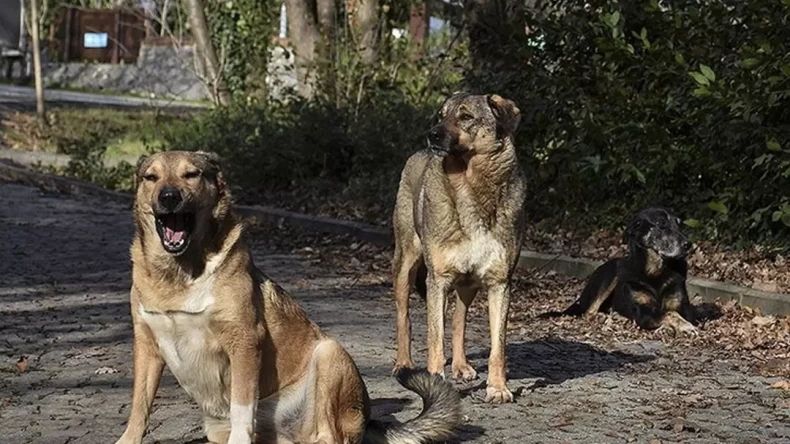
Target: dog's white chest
x=192, y=352
x=478, y=254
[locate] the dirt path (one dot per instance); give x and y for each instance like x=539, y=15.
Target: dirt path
x=64, y=279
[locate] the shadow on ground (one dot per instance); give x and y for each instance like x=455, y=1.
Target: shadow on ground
x=555, y=360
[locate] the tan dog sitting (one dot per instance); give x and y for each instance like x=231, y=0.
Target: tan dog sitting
x=259, y=369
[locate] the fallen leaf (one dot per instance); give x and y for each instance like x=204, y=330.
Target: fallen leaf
x=761, y=321
x=770, y=287
x=784, y=385
x=23, y=364
x=105, y=371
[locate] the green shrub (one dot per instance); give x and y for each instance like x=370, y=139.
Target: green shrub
x=682, y=104
x=351, y=139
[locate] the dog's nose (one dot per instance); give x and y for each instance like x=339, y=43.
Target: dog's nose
x=169, y=199
x=435, y=135
x=687, y=245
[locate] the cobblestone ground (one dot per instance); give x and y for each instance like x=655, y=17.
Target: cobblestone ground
x=64, y=279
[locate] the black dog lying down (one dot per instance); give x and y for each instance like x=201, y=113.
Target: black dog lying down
x=648, y=285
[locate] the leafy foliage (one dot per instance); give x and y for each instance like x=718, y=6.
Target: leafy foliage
x=682, y=104
x=625, y=104
x=357, y=131
x=88, y=163
x=242, y=31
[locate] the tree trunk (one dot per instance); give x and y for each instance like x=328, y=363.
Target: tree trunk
x=327, y=13
x=34, y=34
x=368, y=29
x=303, y=35
x=197, y=21
x=419, y=24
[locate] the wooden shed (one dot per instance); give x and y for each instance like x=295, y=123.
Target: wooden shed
x=99, y=35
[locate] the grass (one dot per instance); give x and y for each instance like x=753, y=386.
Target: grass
x=125, y=133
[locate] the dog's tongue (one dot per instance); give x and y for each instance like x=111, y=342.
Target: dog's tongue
x=174, y=228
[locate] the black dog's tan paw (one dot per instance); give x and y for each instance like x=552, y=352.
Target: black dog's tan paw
x=678, y=324
x=688, y=329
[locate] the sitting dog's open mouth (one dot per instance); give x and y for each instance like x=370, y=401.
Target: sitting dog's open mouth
x=174, y=230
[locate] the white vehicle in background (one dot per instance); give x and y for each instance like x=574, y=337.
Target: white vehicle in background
x=13, y=38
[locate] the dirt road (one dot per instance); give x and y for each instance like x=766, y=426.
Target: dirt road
x=64, y=279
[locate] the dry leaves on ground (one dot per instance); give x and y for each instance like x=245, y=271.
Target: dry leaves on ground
x=762, y=341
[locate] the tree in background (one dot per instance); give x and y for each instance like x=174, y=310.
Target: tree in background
x=303, y=34
x=205, y=45
x=364, y=20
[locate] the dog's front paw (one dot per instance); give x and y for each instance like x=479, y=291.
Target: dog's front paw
x=498, y=395
x=399, y=365
x=464, y=372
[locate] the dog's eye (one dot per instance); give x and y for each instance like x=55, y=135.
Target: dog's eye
x=150, y=177
x=465, y=117
x=191, y=174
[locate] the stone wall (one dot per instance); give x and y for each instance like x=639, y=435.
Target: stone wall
x=160, y=71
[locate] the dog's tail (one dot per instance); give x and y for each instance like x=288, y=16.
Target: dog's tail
x=441, y=412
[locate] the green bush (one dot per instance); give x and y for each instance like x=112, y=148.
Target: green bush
x=681, y=103
x=351, y=139
x=625, y=104
x=87, y=163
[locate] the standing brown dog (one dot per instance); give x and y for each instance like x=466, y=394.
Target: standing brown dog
x=459, y=223
x=236, y=342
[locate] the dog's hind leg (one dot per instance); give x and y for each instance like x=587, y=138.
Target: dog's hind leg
x=326, y=405
x=406, y=260
x=598, y=289
x=599, y=297
x=217, y=430
x=335, y=410
x=461, y=369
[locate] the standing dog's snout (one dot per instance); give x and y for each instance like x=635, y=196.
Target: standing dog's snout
x=435, y=135
x=169, y=199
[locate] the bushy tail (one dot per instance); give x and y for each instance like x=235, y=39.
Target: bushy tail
x=440, y=415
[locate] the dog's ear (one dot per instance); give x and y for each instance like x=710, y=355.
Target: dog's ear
x=211, y=158
x=507, y=114
x=447, y=104
x=214, y=163
x=142, y=164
